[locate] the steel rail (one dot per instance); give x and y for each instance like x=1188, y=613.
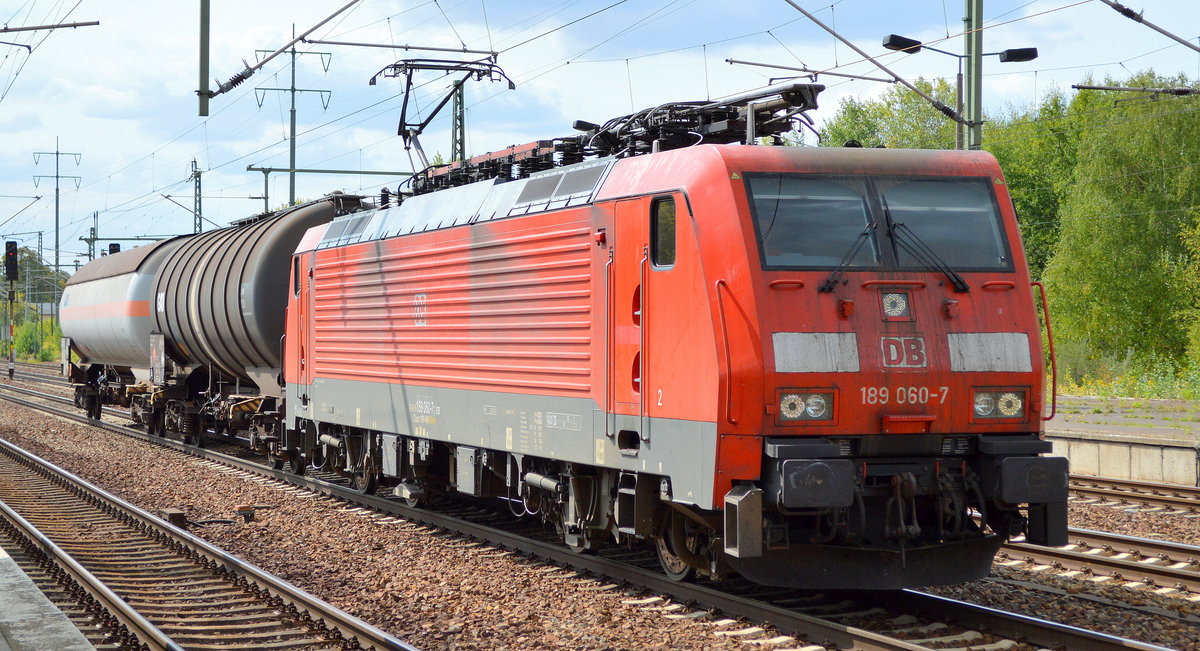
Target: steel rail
x=112, y=411
x=1155, y=563
x=349, y=625
x=41, y=377
x=1125, y=490
x=1048, y=634
x=133, y=621
x=1038, y=631
x=1164, y=550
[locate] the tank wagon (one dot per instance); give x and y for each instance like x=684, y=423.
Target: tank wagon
x=186, y=332
x=814, y=367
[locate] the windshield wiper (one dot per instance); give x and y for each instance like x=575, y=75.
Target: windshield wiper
x=840, y=269
x=919, y=249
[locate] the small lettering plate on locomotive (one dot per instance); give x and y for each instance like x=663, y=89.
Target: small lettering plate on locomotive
x=564, y=421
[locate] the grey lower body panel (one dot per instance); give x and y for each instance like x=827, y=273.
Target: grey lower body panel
x=574, y=430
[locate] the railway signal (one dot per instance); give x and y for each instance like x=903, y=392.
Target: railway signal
x=10, y=261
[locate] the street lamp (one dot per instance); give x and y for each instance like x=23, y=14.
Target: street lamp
x=912, y=46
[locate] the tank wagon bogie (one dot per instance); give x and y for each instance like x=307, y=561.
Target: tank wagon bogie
x=814, y=367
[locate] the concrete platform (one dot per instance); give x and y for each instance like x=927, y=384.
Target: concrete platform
x=1127, y=438
x=28, y=621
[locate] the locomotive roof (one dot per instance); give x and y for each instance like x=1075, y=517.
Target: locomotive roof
x=585, y=182
x=118, y=263
x=551, y=189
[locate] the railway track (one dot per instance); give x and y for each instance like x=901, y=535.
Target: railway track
x=1103, y=556
x=1125, y=491
x=160, y=586
x=901, y=620
x=37, y=376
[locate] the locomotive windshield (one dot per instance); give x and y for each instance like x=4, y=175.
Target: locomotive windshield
x=814, y=221
x=807, y=221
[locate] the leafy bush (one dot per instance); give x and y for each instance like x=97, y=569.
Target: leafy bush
x=1081, y=372
x=38, y=341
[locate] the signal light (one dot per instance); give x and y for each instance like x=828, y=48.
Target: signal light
x=10, y=260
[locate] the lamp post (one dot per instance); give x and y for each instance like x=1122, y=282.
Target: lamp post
x=912, y=46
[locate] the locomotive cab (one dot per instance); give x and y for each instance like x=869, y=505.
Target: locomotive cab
x=902, y=374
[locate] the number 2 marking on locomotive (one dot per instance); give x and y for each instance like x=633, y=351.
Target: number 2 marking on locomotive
x=660, y=397
x=903, y=395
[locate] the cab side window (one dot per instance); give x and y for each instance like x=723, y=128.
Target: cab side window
x=296, y=276
x=662, y=232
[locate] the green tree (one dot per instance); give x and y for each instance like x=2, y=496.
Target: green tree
x=1123, y=276
x=1036, y=147
x=898, y=119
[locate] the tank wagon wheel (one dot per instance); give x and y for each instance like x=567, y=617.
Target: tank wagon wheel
x=156, y=425
x=91, y=406
x=199, y=430
x=273, y=458
x=665, y=544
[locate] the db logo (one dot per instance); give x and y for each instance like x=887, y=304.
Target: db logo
x=903, y=352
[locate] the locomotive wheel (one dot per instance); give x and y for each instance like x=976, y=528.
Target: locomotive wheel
x=297, y=462
x=365, y=482
x=416, y=502
x=665, y=544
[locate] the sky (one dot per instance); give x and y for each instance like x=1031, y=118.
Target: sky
x=119, y=99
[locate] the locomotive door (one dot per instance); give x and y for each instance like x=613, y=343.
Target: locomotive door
x=303, y=287
x=626, y=316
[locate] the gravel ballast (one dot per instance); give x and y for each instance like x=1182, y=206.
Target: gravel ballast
x=446, y=593
x=434, y=592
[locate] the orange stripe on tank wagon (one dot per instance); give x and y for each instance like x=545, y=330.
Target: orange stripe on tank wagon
x=107, y=310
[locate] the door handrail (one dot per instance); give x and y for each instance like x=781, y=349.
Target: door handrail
x=725, y=344
x=1053, y=359
x=643, y=291
x=610, y=332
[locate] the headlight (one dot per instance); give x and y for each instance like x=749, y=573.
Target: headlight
x=791, y=406
x=895, y=304
x=1010, y=405
x=800, y=405
x=815, y=406
x=985, y=404
x=1003, y=403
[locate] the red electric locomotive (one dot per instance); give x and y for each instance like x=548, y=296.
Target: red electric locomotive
x=816, y=367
